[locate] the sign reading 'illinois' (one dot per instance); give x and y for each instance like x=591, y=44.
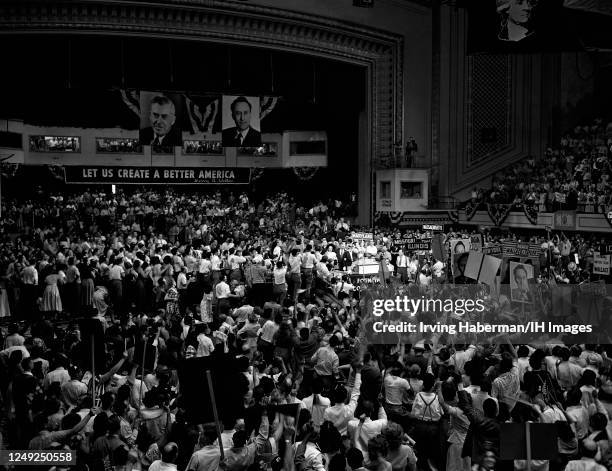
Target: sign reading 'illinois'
x=157, y=175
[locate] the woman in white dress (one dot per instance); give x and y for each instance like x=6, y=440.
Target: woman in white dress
x=51, y=300
x=5, y=308
x=206, y=306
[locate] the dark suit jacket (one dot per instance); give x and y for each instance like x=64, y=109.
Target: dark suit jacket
x=345, y=260
x=252, y=139
x=173, y=138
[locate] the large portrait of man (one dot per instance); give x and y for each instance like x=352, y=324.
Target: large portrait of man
x=516, y=19
x=520, y=274
x=240, y=122
x=158, y=120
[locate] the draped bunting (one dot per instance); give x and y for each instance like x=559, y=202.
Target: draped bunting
x=131, y=99
x=470, y=209
x=609, y=217
x=531, y=212
x=256, y=174
x=202, y=121
x=498, y=212
x=267, y=105
x=395, y=216
x=305, y=173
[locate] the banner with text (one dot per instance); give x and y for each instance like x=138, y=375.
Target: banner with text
x=601, y=264
x=364, y=237
x=157, y=175
x=521, y=249
x=412, y=243
x=494, y=249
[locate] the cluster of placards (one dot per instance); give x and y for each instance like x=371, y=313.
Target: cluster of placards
x=515, y=262
x=413, y=243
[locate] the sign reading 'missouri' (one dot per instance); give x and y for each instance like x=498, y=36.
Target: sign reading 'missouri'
x=157, y=175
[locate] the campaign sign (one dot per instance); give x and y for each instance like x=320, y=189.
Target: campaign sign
x=157, y=175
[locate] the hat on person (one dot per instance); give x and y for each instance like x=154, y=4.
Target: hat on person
x=420, y=345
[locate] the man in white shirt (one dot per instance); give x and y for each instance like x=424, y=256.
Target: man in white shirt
x=462, y=356
x=371, y=249
x=340, y=413
x=181, y=286
x=362, y=430
x=437, y=269
x=316, y=404
x=29, y=277
x=322, y=271
x=169, y=454
x=58, y=375
x=222, y=293
x=215, y=266
x=402, y=266
x=208, y=457
x=205, y=345
x=588, y=451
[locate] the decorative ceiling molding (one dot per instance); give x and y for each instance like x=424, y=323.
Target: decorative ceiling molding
x=237, y=23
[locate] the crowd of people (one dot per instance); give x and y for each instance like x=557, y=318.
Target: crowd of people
x=269, y=284
x=55, y=144
x=119, y=145
x=574, y=175
x=202, y=147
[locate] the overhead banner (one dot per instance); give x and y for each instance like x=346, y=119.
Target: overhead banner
x=521, y=249
x=157, y=175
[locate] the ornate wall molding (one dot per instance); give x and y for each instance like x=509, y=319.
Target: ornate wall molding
x=509, y=93
x=238, y=23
